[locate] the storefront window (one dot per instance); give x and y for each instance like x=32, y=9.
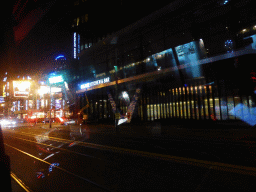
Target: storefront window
x=152, y=112
x=148, y=112
x=217, y=108
x=155, y=111
x=164, y=108
x=158, y=111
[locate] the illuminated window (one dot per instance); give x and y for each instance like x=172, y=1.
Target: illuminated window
x=223, y=105
x=152, y=111
x=230, y=106
x=170, y=109
x=217, y=108
x=148, y=112
x=158, y=111
x=162, y=111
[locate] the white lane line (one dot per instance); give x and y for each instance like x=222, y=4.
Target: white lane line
x=49, y=156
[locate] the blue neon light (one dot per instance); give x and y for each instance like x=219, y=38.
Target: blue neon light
x=75, y=45
x=225, y=2
x=60, y=56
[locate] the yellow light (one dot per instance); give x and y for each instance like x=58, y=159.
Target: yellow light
x=21, y=88
x=21, y=85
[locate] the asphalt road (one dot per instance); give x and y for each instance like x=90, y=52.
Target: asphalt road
x=67, y=159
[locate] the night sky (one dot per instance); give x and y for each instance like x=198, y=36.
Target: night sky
x=33, y=35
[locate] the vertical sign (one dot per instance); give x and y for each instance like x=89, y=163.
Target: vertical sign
x=74, y=45
x=78, y=43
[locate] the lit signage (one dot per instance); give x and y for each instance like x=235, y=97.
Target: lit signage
x=101, y=81
x=60, y=57
x=75, y=45
x=55, y=79
x=190, y=53
x=78, y=43
x=1, y=99
x=21, y=88
x=46, y=89
x=4, y=92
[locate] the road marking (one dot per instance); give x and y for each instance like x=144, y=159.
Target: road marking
x=189, y=161
x=25, y=187
x=66, y=150
x=62, y=169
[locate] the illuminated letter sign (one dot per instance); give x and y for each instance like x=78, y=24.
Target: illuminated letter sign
x=75, y=45
x=56, y=79
x=94, y=83
x=21, y=88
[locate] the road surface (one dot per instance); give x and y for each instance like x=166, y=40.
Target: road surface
x=75, y=159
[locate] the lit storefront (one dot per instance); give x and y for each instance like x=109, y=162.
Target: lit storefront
x=31, y=100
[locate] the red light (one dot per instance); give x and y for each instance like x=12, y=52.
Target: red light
x=61, y=119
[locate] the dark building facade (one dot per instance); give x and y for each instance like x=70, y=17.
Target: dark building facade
x=187, y=60
x=94, y=20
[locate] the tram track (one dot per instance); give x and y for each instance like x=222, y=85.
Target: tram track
x=59, y=148
x=20, y=182
x=58, y=167
x=190, y=161
x=112, y=160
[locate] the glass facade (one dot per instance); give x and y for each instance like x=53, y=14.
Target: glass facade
x=198, y=102
x=185, y=73
x=195, y=102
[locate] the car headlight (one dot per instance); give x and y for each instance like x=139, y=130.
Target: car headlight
x=4, y=122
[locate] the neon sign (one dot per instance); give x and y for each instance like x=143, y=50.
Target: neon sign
x=60, y=56
x=94, y=83
x=21, y=88
x=56, y=79
x=75, y=45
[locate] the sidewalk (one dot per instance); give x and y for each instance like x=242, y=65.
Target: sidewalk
x=222, y=131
